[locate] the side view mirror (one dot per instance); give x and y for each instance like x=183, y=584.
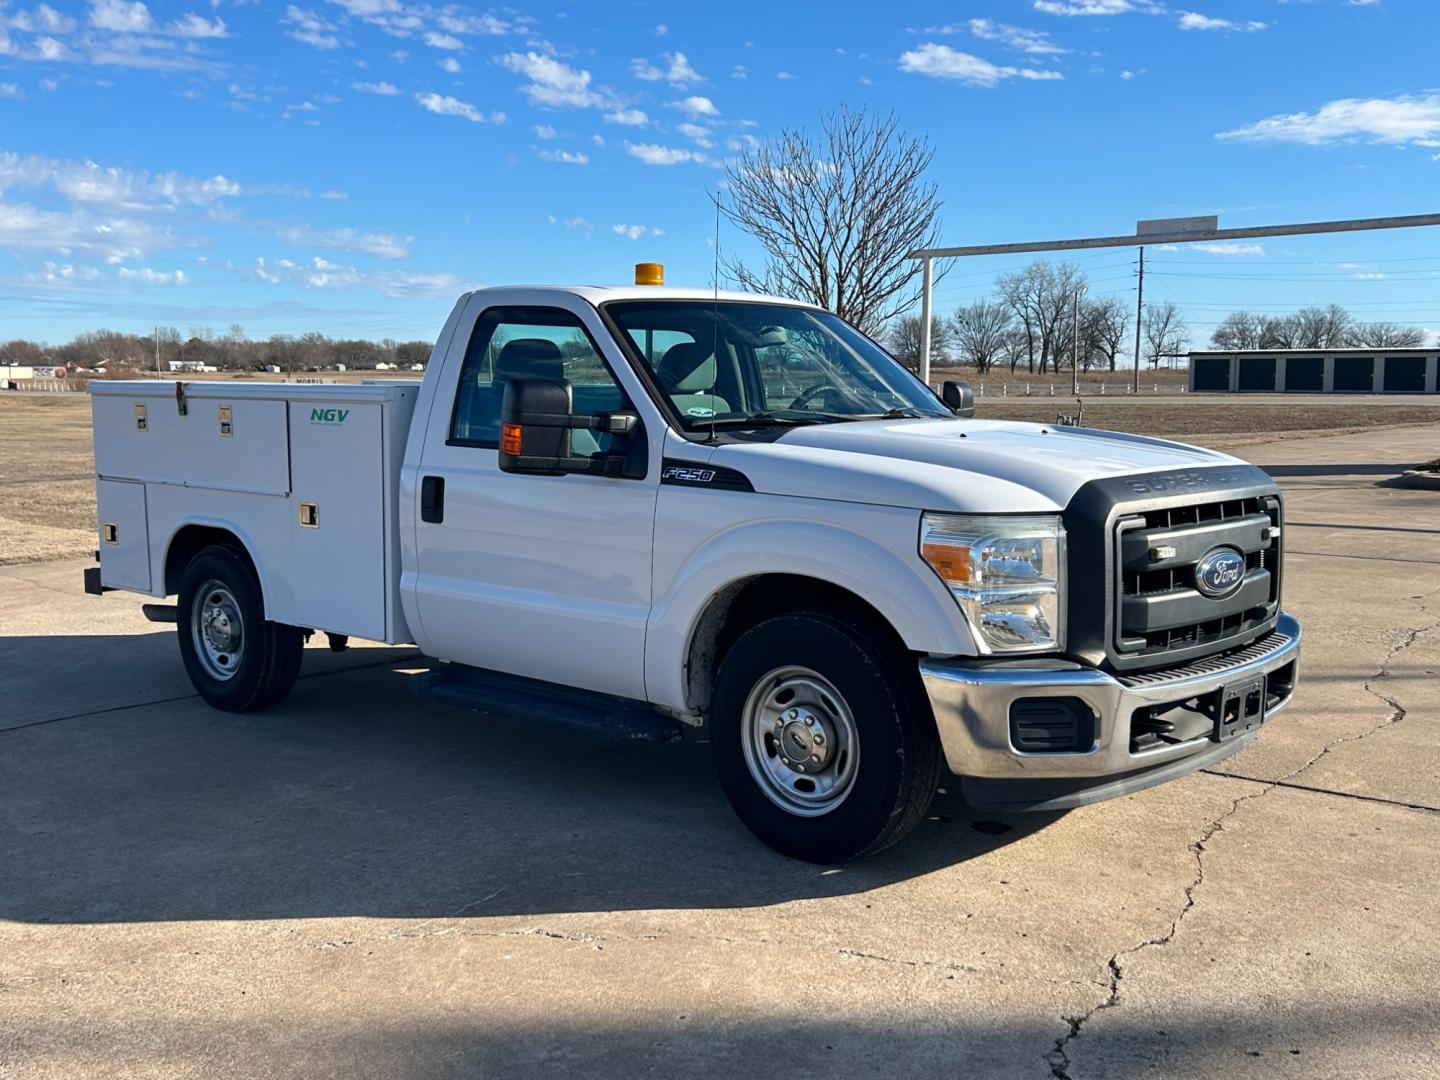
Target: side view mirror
x=536, y=419
x=959, y=396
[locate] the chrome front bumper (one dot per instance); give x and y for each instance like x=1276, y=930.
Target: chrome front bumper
x=972, y=699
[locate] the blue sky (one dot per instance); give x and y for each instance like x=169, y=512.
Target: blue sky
x=353, y=165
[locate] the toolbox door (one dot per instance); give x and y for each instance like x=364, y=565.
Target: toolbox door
x=337, y=517
x=124, y=535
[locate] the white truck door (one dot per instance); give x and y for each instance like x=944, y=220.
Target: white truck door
x=542, y=576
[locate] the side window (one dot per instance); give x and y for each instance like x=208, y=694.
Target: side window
x=528, y=342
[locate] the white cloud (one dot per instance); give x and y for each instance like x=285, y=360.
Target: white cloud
x=700, y=134
x=785, y=76
x=26, y=228
x=653, y=154
x=1193, y=20
x=309, y=28
x=445, y=105
x=43, y=20
x=1373, y=275
x=551, y=82
x=677, y=71
x=943, y=62
x=11, y=90
x=635, y=232
x=443, y=41
x=1096, y=7
x=127, y=17
x=381, y=245
x=1035, y=42
x=564, y=157
x=194, y=26
x=1397, y=121
x=544, y=131
x=384, y=89
x=449, y=64
x=121, y=16
x=321, y=273
x=573, y=223
x=696, y=105
x=739, y=71
x=146, y=276
x=1229, y=249
x=113, y=188
x=629, y=117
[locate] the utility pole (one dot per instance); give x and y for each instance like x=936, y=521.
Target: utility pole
x=927, y=286
x=157, y=352
x=1075, y=346
x=1139, y=317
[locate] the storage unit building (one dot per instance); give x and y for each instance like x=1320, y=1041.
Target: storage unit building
x=1316, y=371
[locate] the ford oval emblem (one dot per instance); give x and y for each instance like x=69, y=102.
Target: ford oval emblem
x=1219, y=573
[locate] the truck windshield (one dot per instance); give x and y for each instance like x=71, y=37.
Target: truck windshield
x=737, y=364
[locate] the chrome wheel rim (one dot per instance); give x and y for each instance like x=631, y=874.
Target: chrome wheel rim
x=800, y=741
x=217, y=630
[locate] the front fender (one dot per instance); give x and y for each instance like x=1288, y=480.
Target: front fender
x=873, y=556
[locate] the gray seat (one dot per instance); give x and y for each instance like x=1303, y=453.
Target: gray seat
x=687, y=377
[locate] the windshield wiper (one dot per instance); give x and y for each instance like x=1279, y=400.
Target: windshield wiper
x=761, y=419
x=897, y=414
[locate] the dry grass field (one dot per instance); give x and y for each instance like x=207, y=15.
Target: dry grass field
x=47, y=488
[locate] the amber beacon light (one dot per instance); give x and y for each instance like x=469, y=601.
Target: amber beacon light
x=649, y=274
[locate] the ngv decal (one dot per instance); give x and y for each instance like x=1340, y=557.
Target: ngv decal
x=328, y=416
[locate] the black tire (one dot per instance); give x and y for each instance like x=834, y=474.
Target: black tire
x=267, y=660
x=898, y=759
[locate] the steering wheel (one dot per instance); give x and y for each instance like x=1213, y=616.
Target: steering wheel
x=803, y=399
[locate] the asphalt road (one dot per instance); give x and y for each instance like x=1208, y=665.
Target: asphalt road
x=356, y=885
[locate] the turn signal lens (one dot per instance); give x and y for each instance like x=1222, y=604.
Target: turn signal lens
x=510, y=438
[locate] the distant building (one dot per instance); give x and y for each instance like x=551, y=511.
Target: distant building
x=190, y=365
x=1316, y=371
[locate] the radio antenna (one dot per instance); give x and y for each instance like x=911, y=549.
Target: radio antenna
x=715, y=324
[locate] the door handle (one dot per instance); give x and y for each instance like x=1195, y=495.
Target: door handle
x=432, y=499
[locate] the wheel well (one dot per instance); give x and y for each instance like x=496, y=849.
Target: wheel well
x=747, y=603
x=189, y=542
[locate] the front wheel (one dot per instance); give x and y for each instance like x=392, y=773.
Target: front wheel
x=235, y=658
x=822, y=737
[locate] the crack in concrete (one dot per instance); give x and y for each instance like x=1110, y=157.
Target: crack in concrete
x=942, y=965
x=1059, y=1057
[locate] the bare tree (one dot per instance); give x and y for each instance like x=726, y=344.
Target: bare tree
x=1165, y=331
x=1107, y=328
x=1386, y=335
x=904, y=340
x=1041, y=296
x=1322, y=327
x=1238, y=330
x=837, y=215
x=982, y=333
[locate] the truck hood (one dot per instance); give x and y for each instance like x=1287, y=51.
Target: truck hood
x=966, y=466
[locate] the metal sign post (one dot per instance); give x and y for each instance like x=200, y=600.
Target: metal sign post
x=1157, y=231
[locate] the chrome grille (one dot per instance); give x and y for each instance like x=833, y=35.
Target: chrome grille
x=1159, y=610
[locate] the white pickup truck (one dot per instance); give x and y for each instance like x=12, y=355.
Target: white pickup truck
x=644, y=510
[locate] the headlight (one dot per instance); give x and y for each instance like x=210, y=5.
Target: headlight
x=1007, y=574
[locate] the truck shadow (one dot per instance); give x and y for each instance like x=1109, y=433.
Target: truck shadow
x=355, y=798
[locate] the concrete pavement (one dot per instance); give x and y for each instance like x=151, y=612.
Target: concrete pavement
x=358, y=885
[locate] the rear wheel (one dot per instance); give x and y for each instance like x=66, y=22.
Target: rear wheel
x=822, y=737
x=236, y=659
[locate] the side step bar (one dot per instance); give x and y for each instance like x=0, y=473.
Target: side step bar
x=616, y=720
